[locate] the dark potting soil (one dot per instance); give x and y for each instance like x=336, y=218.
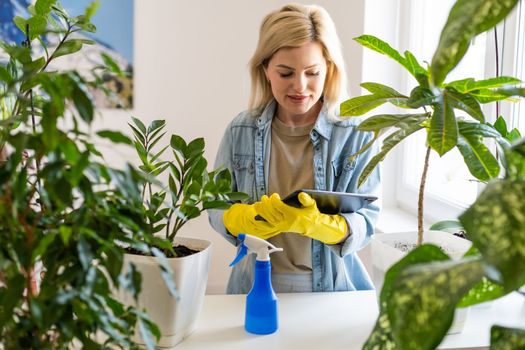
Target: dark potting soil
x=180, y=251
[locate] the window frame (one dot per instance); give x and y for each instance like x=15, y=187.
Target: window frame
x=511, y=37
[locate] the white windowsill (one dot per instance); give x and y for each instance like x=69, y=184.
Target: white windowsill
x=395, y=219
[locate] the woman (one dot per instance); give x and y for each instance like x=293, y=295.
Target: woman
x=290, y=139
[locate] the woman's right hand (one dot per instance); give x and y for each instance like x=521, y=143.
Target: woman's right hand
x=240, y=218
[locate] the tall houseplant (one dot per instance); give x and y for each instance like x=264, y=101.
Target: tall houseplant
x=61, y=207
x=426, y=282
x=449, y=112
x=184, y=262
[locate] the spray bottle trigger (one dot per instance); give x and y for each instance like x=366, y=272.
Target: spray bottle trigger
x=242, y=252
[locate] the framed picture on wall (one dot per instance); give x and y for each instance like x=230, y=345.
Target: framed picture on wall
x=113, y=38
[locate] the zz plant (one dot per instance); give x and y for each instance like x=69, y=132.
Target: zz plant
x=191, y=188
x=449, y=112
x=62, y=209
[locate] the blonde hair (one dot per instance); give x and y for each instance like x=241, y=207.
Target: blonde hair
x=292, y=26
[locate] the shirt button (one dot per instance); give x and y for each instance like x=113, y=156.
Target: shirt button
x=319, y=168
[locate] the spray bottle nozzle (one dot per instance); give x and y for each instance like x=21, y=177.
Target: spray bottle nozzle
x=262, y=248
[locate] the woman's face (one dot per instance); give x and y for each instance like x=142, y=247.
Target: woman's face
x=297, y=77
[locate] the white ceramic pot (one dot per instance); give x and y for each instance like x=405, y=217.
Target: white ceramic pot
x=389, y=248
x=176, y=318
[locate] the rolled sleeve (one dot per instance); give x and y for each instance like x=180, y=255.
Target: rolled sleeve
x=223, y=160
x=362, y=223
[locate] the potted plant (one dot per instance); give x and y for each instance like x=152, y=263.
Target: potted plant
x=175, y=303
x=426, y=282
x=61, y=207
x=449, y=112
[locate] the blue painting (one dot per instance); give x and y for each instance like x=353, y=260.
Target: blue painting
x=114, y=37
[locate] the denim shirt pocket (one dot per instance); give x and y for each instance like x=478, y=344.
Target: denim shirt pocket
x=244, y=171
x=343, y=170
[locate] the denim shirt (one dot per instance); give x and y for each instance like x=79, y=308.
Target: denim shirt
x=245, y=150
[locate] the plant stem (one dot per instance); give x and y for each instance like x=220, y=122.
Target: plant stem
x=497, y=64
x=421, y=198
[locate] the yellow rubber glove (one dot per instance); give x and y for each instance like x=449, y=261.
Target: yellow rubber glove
x=307, y=220
x=240, y=218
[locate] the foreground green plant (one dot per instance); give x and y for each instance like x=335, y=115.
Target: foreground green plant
x=61, y=208
x=450, y=113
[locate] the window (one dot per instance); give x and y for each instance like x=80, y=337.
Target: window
x=450, y=188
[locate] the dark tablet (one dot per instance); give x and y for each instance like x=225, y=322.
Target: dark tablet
x=332, y=202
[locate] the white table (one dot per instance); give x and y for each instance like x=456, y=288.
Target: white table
x=340, y=320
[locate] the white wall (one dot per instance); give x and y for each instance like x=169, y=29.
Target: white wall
x=190, y=61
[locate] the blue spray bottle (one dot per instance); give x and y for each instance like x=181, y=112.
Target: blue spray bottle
x=261, y=301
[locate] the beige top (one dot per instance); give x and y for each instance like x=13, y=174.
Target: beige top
x=291, y=168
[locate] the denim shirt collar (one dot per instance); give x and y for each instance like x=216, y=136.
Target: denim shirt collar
x=322, y=126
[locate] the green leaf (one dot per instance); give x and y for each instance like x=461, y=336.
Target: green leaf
x=91, y=9
x=238, y=196
x=115, y=136
x=42, y=245
x=35, y=66
x=487, y=95
x=139, y=125
x=382, y=121
x=138, y=135
x=478, y=158
x=20, y=23
x=466, y=20
x=175, y=171
x=49, y=125
x=178, y=144
x=469, y=84
x=37, y=25
x=155, y=125
x=446, y=225
x=83, y=104
x=195, y=147
x=215, y=205
x=484, y=291
x=70, y=46
x=513, y=135
x=501, y=126
x=388, y=143
x=443, y=132
x=85, y=255
x=423, y=291
x=111, y=65
x=413, y=66
x=43, y=7
x=382, y=90
x=13, y=296
x=167, y=273
x=466, y=103
x=495, y=223
x=362, y=104
x=503, y=338
x=382, y=47
x=146, y=335
x=381, y=336
x=421, y=96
